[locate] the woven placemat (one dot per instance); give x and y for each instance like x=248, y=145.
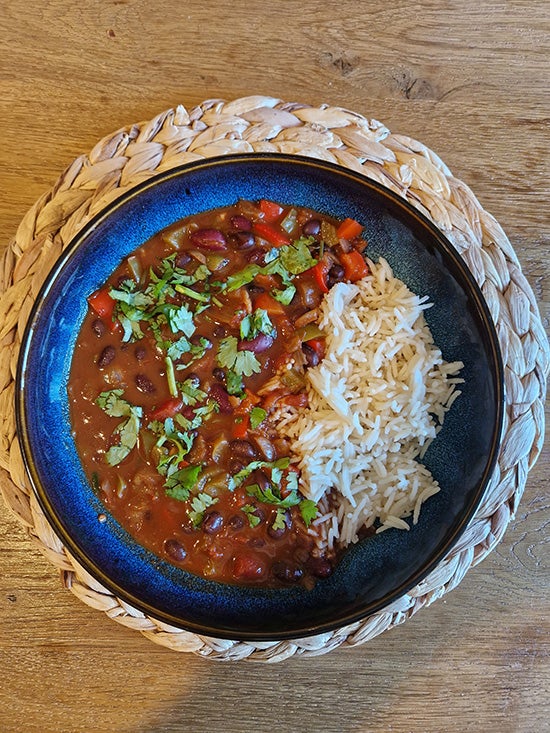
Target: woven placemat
x=263, y=124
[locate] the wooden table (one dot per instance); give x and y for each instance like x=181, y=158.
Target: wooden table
x=469, y=79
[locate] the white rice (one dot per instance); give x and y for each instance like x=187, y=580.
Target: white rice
x=376, y=401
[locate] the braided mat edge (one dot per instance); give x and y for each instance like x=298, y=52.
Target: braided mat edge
x=264, y=124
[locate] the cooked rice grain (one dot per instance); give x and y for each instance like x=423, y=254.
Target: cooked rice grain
x=376, y=402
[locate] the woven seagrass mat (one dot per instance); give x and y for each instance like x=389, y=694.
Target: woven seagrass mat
x=263, y=124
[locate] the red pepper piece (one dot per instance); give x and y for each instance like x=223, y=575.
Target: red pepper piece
x=247, y=567
x=268, y=303
x=318, y=345
x=354, y=265
x=270, y=210
x=270, y=233
x=167, y=409
x=102, y=304
x=241, y=425
x=320, y=274
x=349, y=229
x=296, y=400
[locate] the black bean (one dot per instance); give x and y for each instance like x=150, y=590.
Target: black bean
x=257, y=257
x=183, y=258
x=311, y=228
x=335, y=275
x=219, y=374
x=212, y=522
x=312, y=357
x=175, y=550
x=242, y=240
x=242, y=449
x=144, y=384
x=236, y=521
x=140, y=353
x=106, y=356
x=319, y=566
x=287, y=571
x=279, y=531
x=219, y=331
x=194, y=379
x=256, y=542
x=98, y=327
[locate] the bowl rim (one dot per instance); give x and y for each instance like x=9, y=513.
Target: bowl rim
x=451, y=538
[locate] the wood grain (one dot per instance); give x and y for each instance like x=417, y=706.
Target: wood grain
x=469, y=79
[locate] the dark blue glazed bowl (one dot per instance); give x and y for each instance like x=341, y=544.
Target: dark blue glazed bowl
x=372, y=573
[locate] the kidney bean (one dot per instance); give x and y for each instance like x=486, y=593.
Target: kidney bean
x=247, y=567
x=144, y=384
x=335, y=275
x=98, y=327
x=241, y=223
x=258, y=345
x=236, y=465
x=175, y=550
x=286, y=571
x=106, y=356
x=311, y=228
x=242, y=449
x=210, y=239
x=219, y=395
x=140, y=353
x=312, y=357
x=212, y=522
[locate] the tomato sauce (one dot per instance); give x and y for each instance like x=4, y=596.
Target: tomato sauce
x=186, y=358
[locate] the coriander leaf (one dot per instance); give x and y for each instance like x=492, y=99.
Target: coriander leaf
x=244, y=473
x=194, y=294
x=200, y=503
x=257, y=416
x=271, y=495
x=128, y=433
x=114, y=405
x=284, y=296
x=246, y=363
x=181, y=482
x=179, y=318
x=227, y=352
x=179, y=347
x=253, y=519
x=256, y=323
x=136, y=299
x=280, y=519
x=308, y=510
x=234, y=383
x=243, y=277
x=296, y=257
x=191, y=394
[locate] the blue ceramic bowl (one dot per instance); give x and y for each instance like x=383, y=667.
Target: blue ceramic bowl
x=372, y=573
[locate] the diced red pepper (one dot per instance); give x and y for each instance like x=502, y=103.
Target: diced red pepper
x=354, y=265
x=349, y=229
x=296, y=400
x=167, y=409
x=268, y=303
x=102, y=304
x=270, y=210
x=320, y=274
x=270, y=233
x=241, y=425
x=318, y=345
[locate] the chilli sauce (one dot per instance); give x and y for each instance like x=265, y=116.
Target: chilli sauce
x=187, y=356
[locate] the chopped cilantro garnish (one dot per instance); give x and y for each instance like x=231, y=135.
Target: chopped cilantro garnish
x=191, y=394
x=194, y=294
x=257, y=416
x=256, y=323
x=253, y=519
x=236, y=480
x=180, y=483
x=308, y=510
x=234, y=383
x=114, y=405
x=170, y=377
x=200, y=504
x=284, y=296
x=241, y=362
x=280, y=519
x=296, y=257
